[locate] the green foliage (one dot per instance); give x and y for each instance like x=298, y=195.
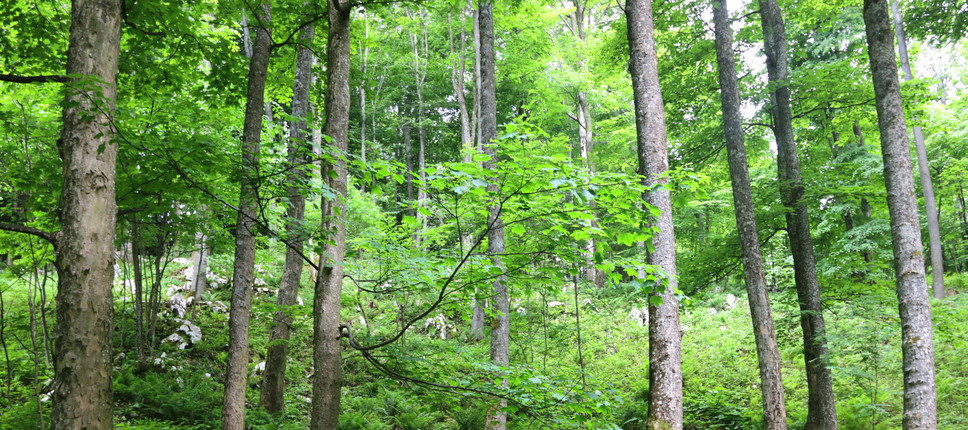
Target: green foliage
x=180, y=395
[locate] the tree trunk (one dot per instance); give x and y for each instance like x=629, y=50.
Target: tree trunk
x=457, y=72
x=237, y=363
x=821, y=408
x=767, y=351
x=199, y=279
x=274, y=381
x=476, y=112
x=85, y=245
x=326, y=303
x=924, y=169
x=665, y=336
x=364, y=53
x=917, y=347
x=500, y=327
x=408, y=159
x=139, y=313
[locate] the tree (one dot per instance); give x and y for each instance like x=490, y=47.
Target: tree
x=300, y=147
x=243, y=277
x=822, y=411
x=327, y=378
x=665, y=361
x=501, y=325
x=924, y=168
x=767, y=351
x=920, y=398
x=85, y=244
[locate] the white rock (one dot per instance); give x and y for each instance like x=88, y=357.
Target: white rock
x=731, y=301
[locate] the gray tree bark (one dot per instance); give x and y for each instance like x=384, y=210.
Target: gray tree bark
x=924, y=168
x=243, y=277
x=85, y=246
x=767, y=351
x=467, y=127
x=821, y=408
x=665, y=336
x=300, y=147
x=458, y=71
x=917, y=347
x=501, y=326
x=327, y=379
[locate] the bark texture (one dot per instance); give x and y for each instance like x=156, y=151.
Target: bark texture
x=85, y=245
x=924, y=168
x=300, y=147
x=821, y=408
x=665, y=336
x=917, y=347
x=327, y=379
x=501, y=325
x=767, y=351
x=243, y=276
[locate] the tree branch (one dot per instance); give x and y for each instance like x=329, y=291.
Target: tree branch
x=40, y=79
x=50, y=237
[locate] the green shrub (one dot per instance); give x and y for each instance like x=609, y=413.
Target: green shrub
x=24, y=416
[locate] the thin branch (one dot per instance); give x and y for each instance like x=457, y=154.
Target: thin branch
x=39, y=79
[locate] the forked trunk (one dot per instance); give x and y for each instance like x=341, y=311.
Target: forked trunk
x=924, y=168
x=764, y=333
x=821, y=409
x=274, y=381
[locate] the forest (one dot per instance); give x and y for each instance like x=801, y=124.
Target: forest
x=444, y=214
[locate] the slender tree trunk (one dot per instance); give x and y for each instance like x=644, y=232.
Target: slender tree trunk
x=199, y=277
x=139, y=313
x=821, y=408
x=364, y=52
x=477, y=313
x=3, y=344
x=31, y=297
x=408, y=160
x=476, y=113
x=418, y=39
x=457, y=72
x=924, y=168
x=917, y=347
x=585, y=143
x=767, y=351
x=329, y=285
x=274, y=380
x=665, y=336
x=243, y=277
x=85, y=246
x=500, y=327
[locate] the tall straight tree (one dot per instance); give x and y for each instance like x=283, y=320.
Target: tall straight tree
x=85, y=245
x=767, y=351
x=329, y=285
x=468, y=126
x=917, y=346
x=243, y=277
x=821, y=409
x=924, y=168
x=300, y=147
x=665, y=340
x=501, y=327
